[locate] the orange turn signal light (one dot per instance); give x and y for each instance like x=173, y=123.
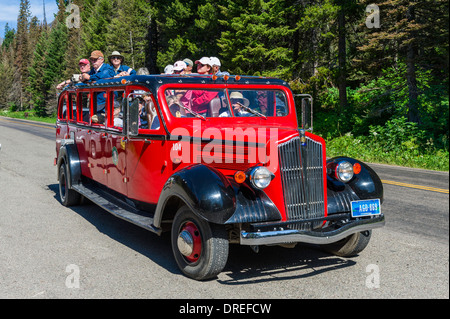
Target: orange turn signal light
x=356, y=168
x=237, y=77
x=123, y=81
x=214, y=77
x=240, y=177
x=226, y=77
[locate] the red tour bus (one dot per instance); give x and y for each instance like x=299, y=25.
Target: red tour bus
x=215, y=161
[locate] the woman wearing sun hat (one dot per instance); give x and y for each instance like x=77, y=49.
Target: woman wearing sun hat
x=116, y=60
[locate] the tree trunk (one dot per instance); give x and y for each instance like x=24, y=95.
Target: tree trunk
x=342, y=61
x=411, y=79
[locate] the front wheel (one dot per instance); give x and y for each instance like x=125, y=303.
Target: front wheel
x=200, y=248
x=350, y=246
x=68, y=196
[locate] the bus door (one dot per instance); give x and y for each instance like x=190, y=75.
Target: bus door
x=116, y=145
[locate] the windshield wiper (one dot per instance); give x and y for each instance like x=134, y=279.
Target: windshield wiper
x=192, y=112
x=252, y=110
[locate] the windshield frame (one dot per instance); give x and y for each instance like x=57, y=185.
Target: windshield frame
x=289, y=121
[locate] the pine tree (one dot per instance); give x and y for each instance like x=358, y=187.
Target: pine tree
x=411, y=32
x=9, y=37
x=127, y=32
x=22, y=55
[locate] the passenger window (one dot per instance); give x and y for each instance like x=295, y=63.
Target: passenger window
x=148, y=116
x=99, y=101
x=62, y=114
x=116, y=104
x=84, y=100
x=73, y=106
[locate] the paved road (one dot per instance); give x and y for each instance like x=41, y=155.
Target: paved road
x=50, y=251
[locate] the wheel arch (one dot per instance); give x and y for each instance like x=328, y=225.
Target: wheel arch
x=201, y=188
x=68, y=155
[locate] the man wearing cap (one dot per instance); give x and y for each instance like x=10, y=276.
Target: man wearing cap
x=85, y=67
x=204, y=66
x=189, y=66
x=100, y=70
x=179, y=67
x=215, y=64
x=116, y=60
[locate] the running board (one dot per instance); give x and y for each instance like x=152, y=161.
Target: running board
x=116, y=207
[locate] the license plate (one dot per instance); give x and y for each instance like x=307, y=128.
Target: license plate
x=368, y=207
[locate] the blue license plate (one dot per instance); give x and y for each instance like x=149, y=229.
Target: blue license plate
x=368, y=207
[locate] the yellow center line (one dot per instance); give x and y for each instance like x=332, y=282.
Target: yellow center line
x=27, y=123
x=433, y=189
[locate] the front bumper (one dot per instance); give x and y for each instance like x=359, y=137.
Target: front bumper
x=319, y=237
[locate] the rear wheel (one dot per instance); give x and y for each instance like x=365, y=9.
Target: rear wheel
x=350, y=246
x=200, y=248
x=68, y=196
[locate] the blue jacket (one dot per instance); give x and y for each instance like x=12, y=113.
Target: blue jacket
x=123, y=68
x=106, y=71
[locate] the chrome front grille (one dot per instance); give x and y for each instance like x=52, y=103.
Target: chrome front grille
x=302, y=174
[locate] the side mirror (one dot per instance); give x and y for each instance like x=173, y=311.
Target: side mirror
x=132, y=118
x=306, y=107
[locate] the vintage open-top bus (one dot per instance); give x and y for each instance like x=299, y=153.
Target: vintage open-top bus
x=214, y=160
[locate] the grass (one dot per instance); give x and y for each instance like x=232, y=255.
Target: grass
x=27, y=115
x=402, y=155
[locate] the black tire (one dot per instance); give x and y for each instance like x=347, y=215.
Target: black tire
x=350, y=246
x=68, y=196
x=210, y=245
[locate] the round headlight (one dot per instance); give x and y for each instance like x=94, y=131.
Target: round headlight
x=344, y=171
x=260, y=177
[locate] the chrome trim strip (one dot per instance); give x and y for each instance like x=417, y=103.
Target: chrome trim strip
x=310, y=237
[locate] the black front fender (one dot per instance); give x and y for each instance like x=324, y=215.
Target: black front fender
x=214, y=197
x=365, y=185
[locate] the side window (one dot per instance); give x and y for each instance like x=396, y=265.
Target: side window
x=73, y=106
x=116, y=106
x=99, y=108
x=62, y=109
x=148, y=116
x=85, y=106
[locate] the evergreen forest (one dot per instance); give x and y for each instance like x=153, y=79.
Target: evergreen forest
x=378, y=72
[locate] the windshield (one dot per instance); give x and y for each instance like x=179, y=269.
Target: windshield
x=226, y=103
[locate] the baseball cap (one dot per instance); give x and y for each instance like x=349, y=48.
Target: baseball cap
x=168, y=69
x=204, y=60
x=83, y=61
x=188, y=62
x=179, y=66
x=96, y=54
x=215, y=61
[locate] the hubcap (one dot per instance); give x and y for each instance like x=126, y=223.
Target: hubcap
x=189, y=242
x=185, y=243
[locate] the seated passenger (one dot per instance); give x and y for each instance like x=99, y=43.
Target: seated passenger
x=149, y=106
x=179, y=67
x=215, y=63
x=116, y=60
x=237, y=101
x=189, y=66
x=204, y=66
x=118, y=121
x=144, y=116
x=198, y=100
x=100, y=69
x=142, y=71
x=84, y=66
